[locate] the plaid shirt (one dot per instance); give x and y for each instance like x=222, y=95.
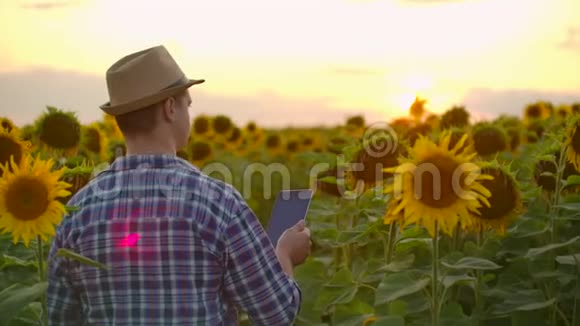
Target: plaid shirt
x=182, y=249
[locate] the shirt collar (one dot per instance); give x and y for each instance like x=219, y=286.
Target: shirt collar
x=154, y=161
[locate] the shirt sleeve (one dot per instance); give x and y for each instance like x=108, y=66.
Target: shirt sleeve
x=254, y=279
x=63, y=302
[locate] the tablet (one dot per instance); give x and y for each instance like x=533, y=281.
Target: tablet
x=290, y=207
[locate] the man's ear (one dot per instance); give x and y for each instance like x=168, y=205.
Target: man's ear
x=169, y=109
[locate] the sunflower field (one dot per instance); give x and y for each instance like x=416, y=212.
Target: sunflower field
x=424, y=220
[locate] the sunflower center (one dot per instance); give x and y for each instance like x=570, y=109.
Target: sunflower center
x=292, y=146
x=9, y=148
x=200, y=151
x=6, y=125
x=576, y=140
x=236, y=134
x=436, y=181
x=27, y=199
x=60, y=131
x=251, y=127
x=489, y=141
x=534, y=111
x=201, y=126
x=273, y=141
x=503, y=196
x=222, y=124
x=93, y=140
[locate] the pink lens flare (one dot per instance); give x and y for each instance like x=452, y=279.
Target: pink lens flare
x=130, y=240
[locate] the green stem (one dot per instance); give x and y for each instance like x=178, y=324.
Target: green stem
x=391, y=243
x=562, y=315
x=456, y=238
x=42, y=277
x=478, y=298
x=554, y=212
x=575, y=291
x=435, y=278
x=555, y=209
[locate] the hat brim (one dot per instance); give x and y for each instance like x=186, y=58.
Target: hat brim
x=148, y=100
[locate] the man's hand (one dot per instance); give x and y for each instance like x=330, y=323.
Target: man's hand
x=293, y=247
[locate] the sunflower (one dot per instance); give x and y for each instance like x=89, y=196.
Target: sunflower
x=449, y=193
x=200, y=152
x=355, y=125
x=563, y=111
x=222, y=125
x=417, y=109
x=29, y=205
x=201, y=126
x=253, y=132
x=77, y=175
x=505, y=200
x=59, y=130
x=94, y=141
x=235, y=138
x=489, y=139
x=111, y=127
x=457, y=116
x=536, y=111
x=401, y=125
x=374, y=158
x=293, y=146
x=575, y=108
x=6, y=124
x=433, y=120
x=273, y=143
x=307, y=142
x=27, y=133
x=12, y=147
x=545, y=171
x=573, y=142
x=419, y=130
x=455, y=136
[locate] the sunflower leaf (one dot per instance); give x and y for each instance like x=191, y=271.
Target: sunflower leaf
x=398, y=285
x=534, y=252
x=72, y=209
x=569, y=260
x=81, y=259
x=17, y=296
x=573, y=180
x=472, y=263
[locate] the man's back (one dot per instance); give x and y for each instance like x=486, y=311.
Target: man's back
x=181, y=248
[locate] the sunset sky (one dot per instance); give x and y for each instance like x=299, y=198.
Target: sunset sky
x=299, y=62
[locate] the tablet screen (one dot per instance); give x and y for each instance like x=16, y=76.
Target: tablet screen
x=290, y=207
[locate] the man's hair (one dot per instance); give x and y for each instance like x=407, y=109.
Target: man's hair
x=139, y=122
x=144, y=120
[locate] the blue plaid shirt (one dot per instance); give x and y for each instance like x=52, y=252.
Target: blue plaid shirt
x=182, y=249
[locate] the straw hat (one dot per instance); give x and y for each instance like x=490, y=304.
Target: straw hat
x=144, y=78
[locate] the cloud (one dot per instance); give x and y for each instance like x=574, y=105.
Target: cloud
x=572, y=41
x=26, y=94
x=48, y=5
x=488, y=103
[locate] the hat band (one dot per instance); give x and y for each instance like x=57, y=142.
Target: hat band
x=181, y=81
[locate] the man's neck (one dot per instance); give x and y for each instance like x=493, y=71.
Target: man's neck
x=149, y=145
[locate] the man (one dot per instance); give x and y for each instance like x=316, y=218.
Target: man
x=181, y=248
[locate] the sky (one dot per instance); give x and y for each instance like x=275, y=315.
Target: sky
x=299, y=62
